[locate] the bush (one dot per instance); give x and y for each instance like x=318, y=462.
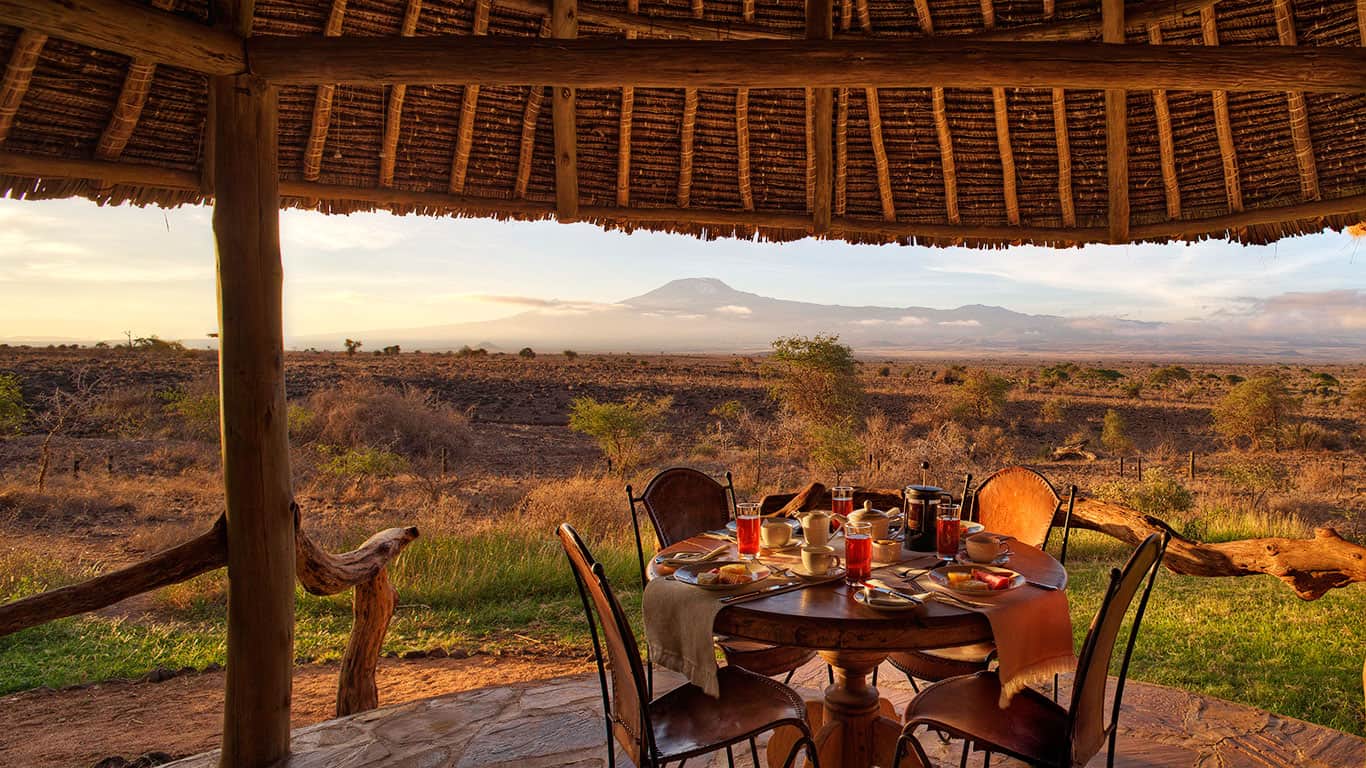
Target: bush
x=197, y=408
x=570, y=354
x=468, y=351
x=1254, y=411
x=619, y=428
x=1168, y=375
x=526, y=353
x=1112, y=434
x=884, y=371
x=982, y=395
x=13, y=411
x=1054, y=410
x=950, y=375
x=1056, y=374
x=1309, y=436
x=1356, y=398
x=1100, y=375
x=410, y=422
x=1133, y=389
x=835, y=449
x=361, y=462
x=1159, y=495
x=816, y=380
x=1257, y=477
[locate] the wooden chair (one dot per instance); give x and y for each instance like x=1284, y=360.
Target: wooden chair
x=1033, y=728
x=1013, y=501
x=685, y=722
x=682, y=502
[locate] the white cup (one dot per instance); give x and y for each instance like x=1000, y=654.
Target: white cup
x=775, y=533
x=819, y=560
x=984, y=547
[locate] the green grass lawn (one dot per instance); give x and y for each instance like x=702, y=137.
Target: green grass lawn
x=1249, y=640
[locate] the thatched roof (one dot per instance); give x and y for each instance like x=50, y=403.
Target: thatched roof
x=980, y=166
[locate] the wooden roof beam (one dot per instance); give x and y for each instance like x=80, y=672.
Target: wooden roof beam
x=627, y=112
x=393, y=112
x=820, y=25
x=1223, y=127
x=469, y=106
x=132, y=29
x=685, y=148
x=564, y=25
x=1116, y=132
x=530, y=115
x=322, y=103
x=1064, y=144
x=1001, y=112
x=841, y=151
x=1166, y=147
x=939, y=110
x=1299, y=113
x=884, y=175
x=742, y=148
x=137, y=83
x=42, y=166
x=612, y=63
x=18, y=74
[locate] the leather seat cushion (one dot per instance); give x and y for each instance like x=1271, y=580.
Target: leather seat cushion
x=688, y=722
x=1033, y=727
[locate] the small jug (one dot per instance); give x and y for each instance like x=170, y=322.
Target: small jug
x=816, y=526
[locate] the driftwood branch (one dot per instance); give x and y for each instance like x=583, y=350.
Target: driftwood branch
x=817, y=496
x=206, y=552
x=1073, y=451
x=363, y=570
x=1309, y=566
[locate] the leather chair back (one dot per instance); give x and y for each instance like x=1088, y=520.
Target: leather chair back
x=1086, y=715
x=1017, y=501
x=626, y=707
x=683, y=502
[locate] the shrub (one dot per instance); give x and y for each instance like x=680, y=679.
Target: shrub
x=1234, y=378
x=884, y=371
x=570, y=354
x=361, y=462
x=300, y=421
x=619, y=428
x=1255, y=411
x=1309, y=436
x=1056, y=374
x=410, y=422
x=352, y=346
x=1169, y=374
x=816, y=380
x=1257, y=477
x=13, y=411
x=1054, y=410
x=982, y=395
x=1133, y=389
x=835, y=449
x=1100, y=375
x=468, y=351
x=1356, y=398
x=1158, y=495
x=1112, y=434
x=197, y=408
x=950, y=375
x=526, y=352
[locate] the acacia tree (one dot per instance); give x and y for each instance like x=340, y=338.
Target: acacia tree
x=57, y=412
x=816, y=381
x=13, y=412
x=1256, y=411
x=982, y=395
x=620, y=428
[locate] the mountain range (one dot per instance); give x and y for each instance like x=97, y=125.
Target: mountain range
x=705, y=315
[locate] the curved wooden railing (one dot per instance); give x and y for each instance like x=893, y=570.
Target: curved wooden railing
x=363, y=570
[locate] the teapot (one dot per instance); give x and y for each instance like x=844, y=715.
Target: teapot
x=816, y=526
x=880, y=520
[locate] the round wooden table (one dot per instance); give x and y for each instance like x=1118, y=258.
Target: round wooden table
x=854, y=726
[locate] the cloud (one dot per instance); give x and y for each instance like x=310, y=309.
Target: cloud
x=547, y=306
x=961, y=323
x=1300, y=312
x=316, y=231
x=911, y=320
x=734, y=310
x=905, y=321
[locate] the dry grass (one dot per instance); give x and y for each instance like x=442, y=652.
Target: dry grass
x=409, y=421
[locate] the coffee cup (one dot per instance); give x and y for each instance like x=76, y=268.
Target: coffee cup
x=775, y=533
x=984, y=547
x=819, y=560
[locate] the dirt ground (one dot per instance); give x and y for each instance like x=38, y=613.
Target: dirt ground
x=183, y=715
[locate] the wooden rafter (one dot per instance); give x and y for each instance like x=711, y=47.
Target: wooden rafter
x=1165, y=146
x=628, y=103
x=686, y=147
x=809, y=101
x=1001, y=112
x=1299, y=113
x=18, y=74
x=469, y=105
x=698, y=8
x=1361, y=20
x=137, y=83
x=564, y=25
x=865, y=19
x=820, y=26
x=884, y=175
x=747, y=10
x=1064, y=144
x=393, y=113
x=37, y=166
x=841, y=151
x=322, y=103
x=1223, y=127
x=939, y=110
x=742, y=148
x=1116, y=132
x=530, y=114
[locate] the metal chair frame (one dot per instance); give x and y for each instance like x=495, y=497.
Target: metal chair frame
x=651, y=757
x=1083, y=668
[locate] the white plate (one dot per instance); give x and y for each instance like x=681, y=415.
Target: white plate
x=968, y=527
x=1000, y=559
x=800, y=572
x=688, y=574
x=791, y=544
x=796, y=526
x=940, y=576
x=885, y=603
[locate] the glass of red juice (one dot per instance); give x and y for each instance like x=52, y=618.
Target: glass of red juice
x=747, y=524
x=858, y=552
x=947, y=530
x=841, y=502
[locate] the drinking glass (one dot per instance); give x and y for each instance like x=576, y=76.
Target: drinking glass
x=842, y=500
x=858, y=552
x=747, y=524
x=947, y=529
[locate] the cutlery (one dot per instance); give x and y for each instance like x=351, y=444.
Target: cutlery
x=885, y=590
x=956, y=601
x=776, y=589
x=1041, y=585
x=715, y=535
x=688, y=558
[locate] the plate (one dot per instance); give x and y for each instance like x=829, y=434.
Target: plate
x=791, y=544
x=1000, y=559
x=968, y=527
x=688, y=574
x=884, y=602
x=800, y=572
x=940, y=576
x=796, y=526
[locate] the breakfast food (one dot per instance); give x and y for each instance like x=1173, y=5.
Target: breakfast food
x=731, y=573
x=991, y=580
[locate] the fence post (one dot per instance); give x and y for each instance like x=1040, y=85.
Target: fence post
x=1138, y=460
x=76, y=467
x=1192, y=472
x=443, y=461
x=1121, y=467
x=109, y=463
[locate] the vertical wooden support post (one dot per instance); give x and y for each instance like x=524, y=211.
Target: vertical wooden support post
x=820, y=25
x=1192, y=471
x=246, y=227
x=1116, y=130
x=564, y=23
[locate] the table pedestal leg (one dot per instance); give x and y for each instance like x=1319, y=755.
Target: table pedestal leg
x=853, y=726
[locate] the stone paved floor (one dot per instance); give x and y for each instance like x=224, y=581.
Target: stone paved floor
x=558, y=723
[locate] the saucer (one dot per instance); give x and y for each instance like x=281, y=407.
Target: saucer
x=1000, y=559
x=799, y=570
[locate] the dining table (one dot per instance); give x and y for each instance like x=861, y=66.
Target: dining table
x=854, y=726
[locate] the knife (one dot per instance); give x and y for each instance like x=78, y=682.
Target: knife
x=1041, y=585
x=777, y=589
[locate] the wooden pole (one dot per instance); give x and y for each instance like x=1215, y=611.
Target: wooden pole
x=1116, y=131
x=599, y=62
x=564, y=24
x=820, y=25
x=1192, y=465
x=255, y=443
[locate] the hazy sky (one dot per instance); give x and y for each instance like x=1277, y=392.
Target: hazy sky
x=71, y=269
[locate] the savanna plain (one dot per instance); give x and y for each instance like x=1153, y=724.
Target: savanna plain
x=110, y=455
